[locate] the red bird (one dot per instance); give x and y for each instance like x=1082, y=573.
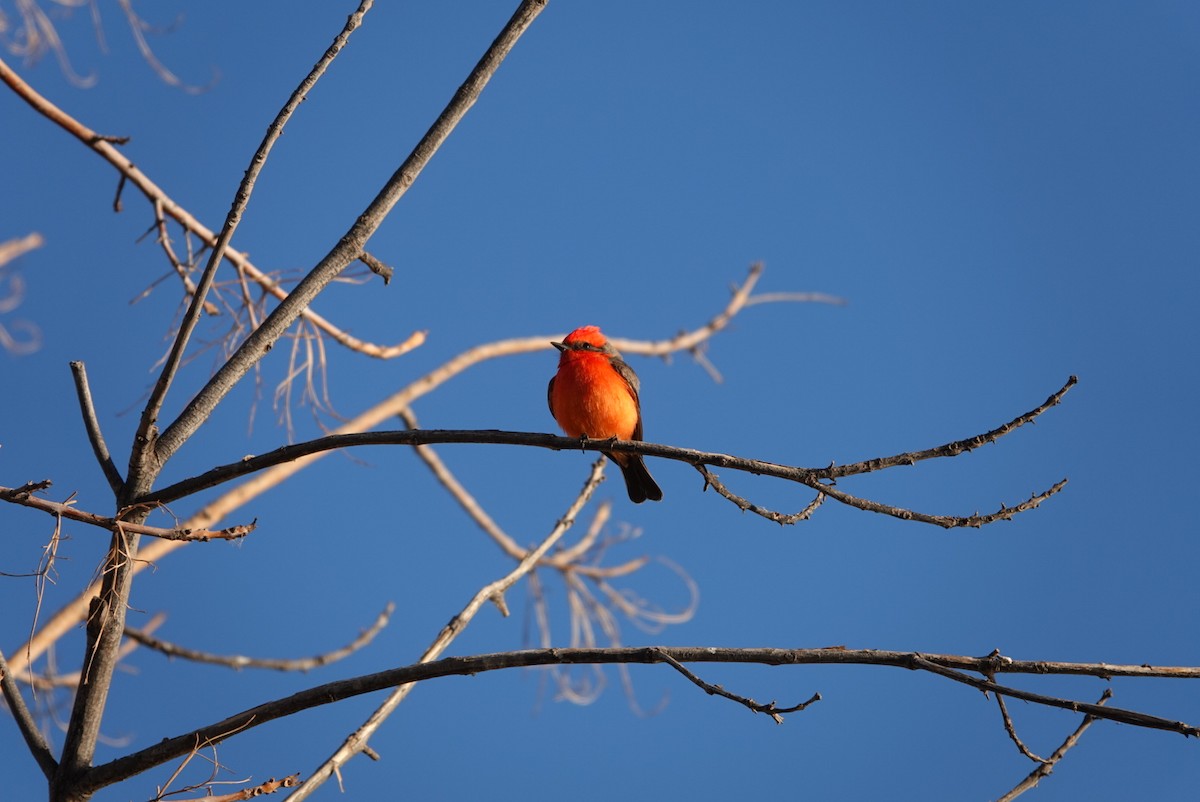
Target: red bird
x=595, y=395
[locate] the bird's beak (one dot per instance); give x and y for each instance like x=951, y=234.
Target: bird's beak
x=559, y=346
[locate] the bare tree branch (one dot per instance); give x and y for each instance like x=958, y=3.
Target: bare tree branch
x=351, y=245
x=24, y=496
x=420, y=437
x=103, y=146
x=949, y=449
x=262, y=789
x=946, y=521
x=377, y=267
x=493, y=592
x=776, y=713
x=1011, y=729
x=783, y=519
x=13, y=248
x=25, y=723
x=238, y=661
x=217, y=510
x=92, y=424
x=145, y=441
x=181, y=270
x=1113, y=714
x=1047, y=766
x=949, y=666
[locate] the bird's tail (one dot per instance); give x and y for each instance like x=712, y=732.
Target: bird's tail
x=638, y=481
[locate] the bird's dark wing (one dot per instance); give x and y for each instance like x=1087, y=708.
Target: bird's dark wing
x=631, y=381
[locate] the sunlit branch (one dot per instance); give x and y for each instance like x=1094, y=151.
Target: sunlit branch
x=492, y=592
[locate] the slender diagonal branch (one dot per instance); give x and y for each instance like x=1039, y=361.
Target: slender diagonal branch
x=771, y=709
x=92, y=424
x=351, y=246
x=945, y=521
x=746, y=505
x=25, y=723
x=949, y=449
x=103, y=146
x=1044, y=770
x=1095, y=710
x=1011, y=729
x=144, y=441
x=493, y=592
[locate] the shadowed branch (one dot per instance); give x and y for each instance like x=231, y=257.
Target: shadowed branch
x=950, y=666
x=816, y=478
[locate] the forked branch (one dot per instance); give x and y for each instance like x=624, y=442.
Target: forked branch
x=352, y=243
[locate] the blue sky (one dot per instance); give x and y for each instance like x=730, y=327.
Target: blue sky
x=1005, y=195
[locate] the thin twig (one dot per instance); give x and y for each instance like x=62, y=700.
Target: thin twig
x=1011, y=729
x=783, y=519
x=776, y=713
x=796, y=297
x=377, y=267
x=1111, y=713
x=238, y=661
x=92, y=424
x=949, y=449
x=946, y=521
x=182, y=270
x=1044, y=770
x=24, y=496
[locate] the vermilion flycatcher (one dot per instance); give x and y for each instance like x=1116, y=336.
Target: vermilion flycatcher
x=595, y=395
